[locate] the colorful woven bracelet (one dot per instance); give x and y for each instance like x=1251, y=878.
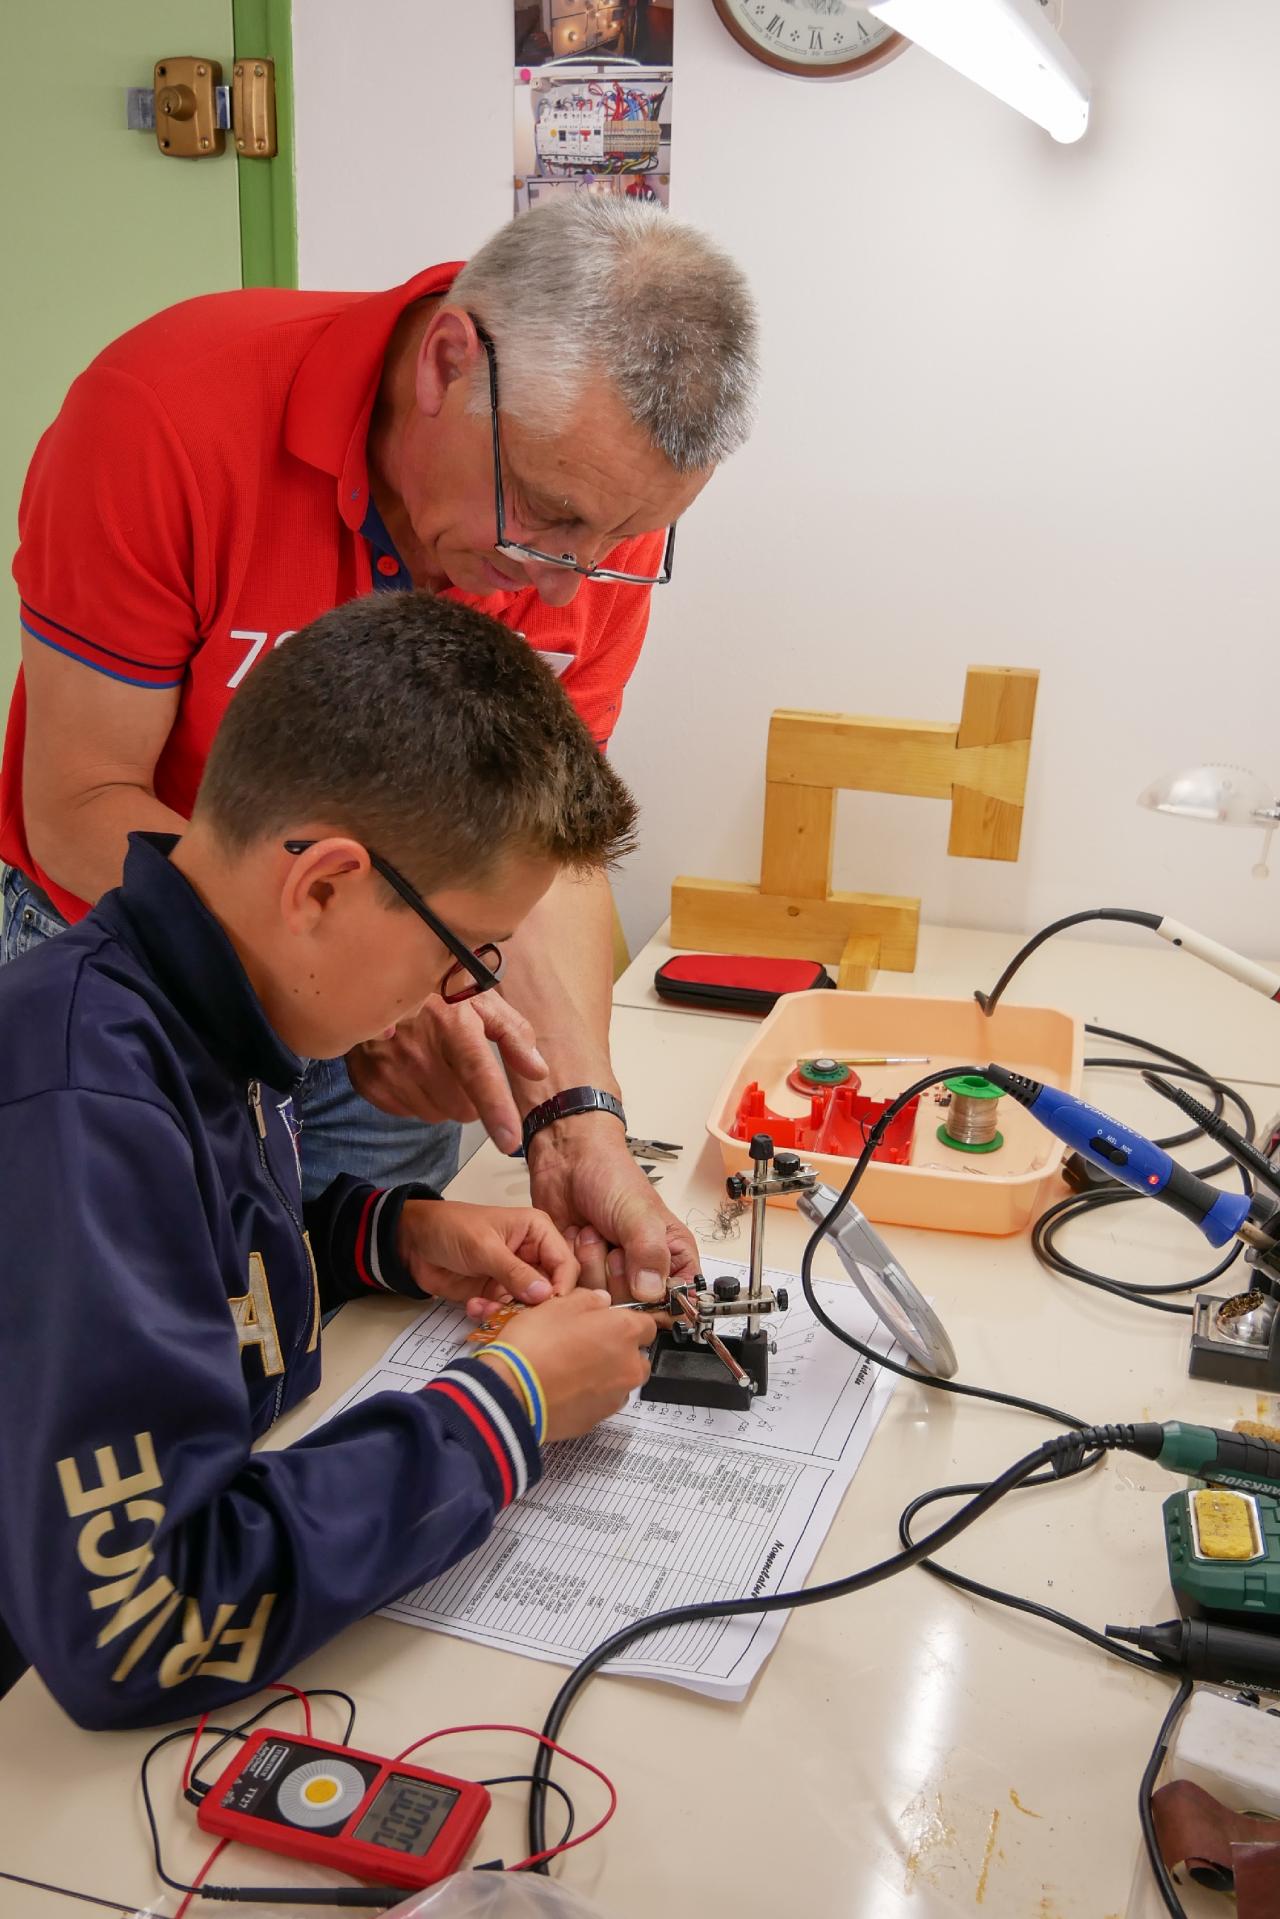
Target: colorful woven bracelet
x=530, y=1385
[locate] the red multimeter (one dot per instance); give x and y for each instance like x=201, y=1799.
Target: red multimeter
x=373, y=1818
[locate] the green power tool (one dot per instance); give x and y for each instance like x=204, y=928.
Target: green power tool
x=1222, y=1537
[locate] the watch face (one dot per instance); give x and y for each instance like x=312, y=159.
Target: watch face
x=810, y=36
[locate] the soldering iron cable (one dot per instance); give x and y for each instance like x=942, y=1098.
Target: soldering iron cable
x=1074, y=1452
x=856, y=1582
x=1224, y=958
x=1064, y=1455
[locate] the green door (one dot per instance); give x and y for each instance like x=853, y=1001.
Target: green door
x=99, y=228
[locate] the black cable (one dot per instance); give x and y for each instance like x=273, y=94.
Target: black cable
x=989, y=1001
x=1030, y=1606
x=380, y=1896
x=1174, y=1063
x=809, y=1595
x=917, y=1374
x=552, y=1785
x=1015, y=1600
x=1066, y=1453
x=1063, y=1212
x=118, y=1906
x=1189, y=1070
x=1146, y=1817
x=370, y=1896
x=1050, y=1453
x=196, y=1789
x=1242, y=1150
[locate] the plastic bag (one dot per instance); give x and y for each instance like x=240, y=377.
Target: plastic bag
x=496, y=1895
x=468, y=1895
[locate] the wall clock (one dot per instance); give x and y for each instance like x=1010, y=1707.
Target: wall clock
x=817, y=39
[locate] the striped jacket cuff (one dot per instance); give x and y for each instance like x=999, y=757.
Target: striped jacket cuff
x=487, y=1415
x=377, y=1263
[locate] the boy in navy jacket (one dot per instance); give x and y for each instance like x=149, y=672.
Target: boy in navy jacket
x=389, y=794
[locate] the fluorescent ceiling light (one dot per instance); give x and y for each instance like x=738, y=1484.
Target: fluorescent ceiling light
x=1006, y=47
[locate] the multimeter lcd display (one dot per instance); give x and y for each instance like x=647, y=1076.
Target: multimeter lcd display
x=407, y=1815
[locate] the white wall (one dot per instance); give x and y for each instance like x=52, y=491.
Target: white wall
x=1020, y=406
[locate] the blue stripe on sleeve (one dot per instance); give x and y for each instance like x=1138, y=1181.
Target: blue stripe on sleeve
x=157, y=686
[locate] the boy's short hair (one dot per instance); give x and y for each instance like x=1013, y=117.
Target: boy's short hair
x=424, y=730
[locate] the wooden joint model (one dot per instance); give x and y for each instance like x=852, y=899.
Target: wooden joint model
x=979, y=764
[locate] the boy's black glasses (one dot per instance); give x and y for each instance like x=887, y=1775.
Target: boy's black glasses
x=568, y=561
x=473, y=972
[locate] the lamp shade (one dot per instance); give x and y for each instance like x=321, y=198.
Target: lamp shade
x=1220, y=795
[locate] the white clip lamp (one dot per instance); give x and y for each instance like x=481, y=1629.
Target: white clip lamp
x=1220, y=796
x=1007, y=47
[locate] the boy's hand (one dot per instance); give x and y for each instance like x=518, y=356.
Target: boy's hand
x=461, y=1252
x=589, y=1358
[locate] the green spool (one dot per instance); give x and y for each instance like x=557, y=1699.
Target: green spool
x=824, y=1072
x=974, y=1091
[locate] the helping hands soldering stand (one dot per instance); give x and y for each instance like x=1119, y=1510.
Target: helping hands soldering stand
x=691, y=1364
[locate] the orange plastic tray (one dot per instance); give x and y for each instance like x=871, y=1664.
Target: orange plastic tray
x=995, y=1192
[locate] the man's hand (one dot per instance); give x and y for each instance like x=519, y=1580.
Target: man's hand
x=461, y=1252
x=441, y=1066
x=588, y=1358
x=581, y=1173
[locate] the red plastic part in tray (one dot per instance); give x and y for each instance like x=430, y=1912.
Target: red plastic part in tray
x=839, y=1120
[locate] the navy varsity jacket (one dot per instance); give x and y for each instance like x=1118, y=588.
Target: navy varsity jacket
x=163, y=1295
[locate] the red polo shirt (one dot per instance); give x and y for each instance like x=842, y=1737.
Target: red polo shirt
x=200, y=497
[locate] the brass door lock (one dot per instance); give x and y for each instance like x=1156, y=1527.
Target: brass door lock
x=187, y=107
x=191, y=111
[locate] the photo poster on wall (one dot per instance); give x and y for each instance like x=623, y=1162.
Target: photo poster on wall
x=593, y=99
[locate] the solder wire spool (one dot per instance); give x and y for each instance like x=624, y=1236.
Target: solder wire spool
x=970, y=1125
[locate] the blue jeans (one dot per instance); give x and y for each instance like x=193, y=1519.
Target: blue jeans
x=28, y=916
x=341, y=1133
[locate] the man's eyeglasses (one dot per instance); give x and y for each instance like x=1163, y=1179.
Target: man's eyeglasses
x=472, y=972
x=568, y=561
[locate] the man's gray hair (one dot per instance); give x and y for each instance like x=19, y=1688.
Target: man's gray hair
x=594, y=284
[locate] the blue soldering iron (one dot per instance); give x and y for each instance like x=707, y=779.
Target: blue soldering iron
x=1138, y=1162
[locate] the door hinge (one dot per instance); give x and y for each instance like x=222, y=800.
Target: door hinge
x=191, y=111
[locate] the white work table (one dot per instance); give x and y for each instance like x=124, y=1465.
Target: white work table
x=908, y=1753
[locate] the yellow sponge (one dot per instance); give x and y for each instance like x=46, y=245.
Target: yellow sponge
x=1224, y=1524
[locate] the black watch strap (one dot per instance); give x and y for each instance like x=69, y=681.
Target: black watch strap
x=574, y=1099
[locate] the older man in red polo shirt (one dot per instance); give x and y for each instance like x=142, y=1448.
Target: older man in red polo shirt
x=520, y=434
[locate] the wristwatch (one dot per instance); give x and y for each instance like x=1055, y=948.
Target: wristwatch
x=575, y=1099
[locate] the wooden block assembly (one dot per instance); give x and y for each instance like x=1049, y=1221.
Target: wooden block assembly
x=999, y=708
x=859, y=964
x=732, y=916
x=799, y=840
x=979, y=765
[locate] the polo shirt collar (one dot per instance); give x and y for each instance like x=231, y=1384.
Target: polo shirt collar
x=196, y=966
x=326, y=421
